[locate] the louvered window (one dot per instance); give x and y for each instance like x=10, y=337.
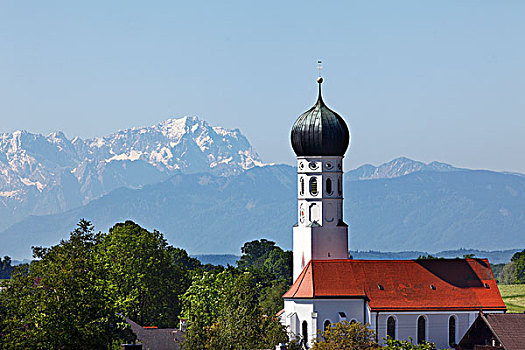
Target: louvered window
x=313, y=186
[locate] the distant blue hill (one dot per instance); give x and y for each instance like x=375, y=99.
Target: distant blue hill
x=218, y=259
x=402, y=205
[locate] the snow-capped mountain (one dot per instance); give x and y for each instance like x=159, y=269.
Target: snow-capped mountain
x=49, y=174
x=395, y=168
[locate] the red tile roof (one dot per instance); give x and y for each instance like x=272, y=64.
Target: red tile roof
x=435, y=284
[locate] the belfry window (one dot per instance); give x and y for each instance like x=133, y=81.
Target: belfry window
x=421, y=329
x=313, y=186
x=329, y=186
x=452, y=331
x=301, y=191
x=391, y=327
x=339, y=188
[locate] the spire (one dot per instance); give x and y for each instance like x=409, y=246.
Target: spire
x=320, y=81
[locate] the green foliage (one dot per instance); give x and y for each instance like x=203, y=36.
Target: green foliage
x=58, y=302
x=519, y=263
x=5, y=268
x=223, y=312
x=255, y=253
x=144, y=283
x=279, y=263
x=394, y=344
x=201, y=307
x=345, y=335
x=428, y=257
x=468, y=256
x=272, y=270
x=179, y=257
x=507, y=274
x=241, y=323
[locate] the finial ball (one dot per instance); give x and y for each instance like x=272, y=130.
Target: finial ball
x=320, y=80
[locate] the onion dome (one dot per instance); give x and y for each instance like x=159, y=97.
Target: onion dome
x=320, y=131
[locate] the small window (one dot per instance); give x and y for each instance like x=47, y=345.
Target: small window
x=329, y=186
x=353, y=321
x=391, y=327
x=304, y=331
x=313, y=186
x=452, y=331
x=339, y=188
x=326, y=324
x=421, y=328
x=301, y=191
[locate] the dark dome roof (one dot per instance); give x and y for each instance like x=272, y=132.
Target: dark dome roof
x=320, y=131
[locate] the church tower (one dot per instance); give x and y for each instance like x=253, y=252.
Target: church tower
x=320, y=139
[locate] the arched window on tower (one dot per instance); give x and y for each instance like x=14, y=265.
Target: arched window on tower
x=329, y=186
x=452, y=331
x=326, y=325
x=421, y=329
x=301, y=191
x=391, y=327
x=304, y=331
x=339, y=188
x=313, y=186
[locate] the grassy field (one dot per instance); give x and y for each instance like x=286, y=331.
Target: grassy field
x=514, y=297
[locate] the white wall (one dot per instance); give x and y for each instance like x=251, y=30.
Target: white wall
x=316, y=311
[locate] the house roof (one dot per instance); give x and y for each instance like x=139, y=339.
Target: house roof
x=509, y=328
x=157, y=338
x=433, y=284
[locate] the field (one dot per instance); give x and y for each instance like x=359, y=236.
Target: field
x=514, y=297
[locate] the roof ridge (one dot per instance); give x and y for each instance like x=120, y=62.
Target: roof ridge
x=303, y=274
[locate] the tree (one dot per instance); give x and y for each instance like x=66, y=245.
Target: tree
x=279, y=263
x=58, y=301
x=508, y=274
x=143, y=282
x=223, y=313
x=255, y=253
x=201, y=307
x=394, y=344
x=345, y=335
x=519, y=264
x=179, y=257
x=5, y=268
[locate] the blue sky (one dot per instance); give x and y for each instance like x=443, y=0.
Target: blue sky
x=442, y=80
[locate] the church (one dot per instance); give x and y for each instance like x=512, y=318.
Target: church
x=435, y=300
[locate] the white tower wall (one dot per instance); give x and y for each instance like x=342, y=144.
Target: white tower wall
x=320, y=232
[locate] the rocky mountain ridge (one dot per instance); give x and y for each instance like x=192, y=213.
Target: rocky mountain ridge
x=49, y=174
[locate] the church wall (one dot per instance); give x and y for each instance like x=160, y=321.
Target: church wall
x=328, y=309
x=316, y=312
x=298, y=311
x=436, y=325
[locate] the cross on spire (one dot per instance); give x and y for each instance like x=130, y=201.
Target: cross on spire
x=320, y=66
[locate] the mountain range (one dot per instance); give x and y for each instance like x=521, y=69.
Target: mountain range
x=51, y=174
x=207, y=190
